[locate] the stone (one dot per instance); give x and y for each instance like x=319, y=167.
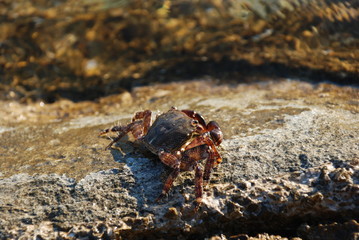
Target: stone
x=290, y=166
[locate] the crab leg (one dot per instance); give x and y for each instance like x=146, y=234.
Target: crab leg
x=169, y=182
x=113, y=129
x=146, y=116
x=213, y=157
x=208, y=167
x=139, y=126
x=198, y=186
x=171, y=160
x=134, y=128
x=205, y=140
x=196, y=116
x=189, y=161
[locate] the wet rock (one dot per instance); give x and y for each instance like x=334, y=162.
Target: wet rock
x=81, y=50
x=290, y=166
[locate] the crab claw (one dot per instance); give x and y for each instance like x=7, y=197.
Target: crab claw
x=103, y=132
x=216, y=132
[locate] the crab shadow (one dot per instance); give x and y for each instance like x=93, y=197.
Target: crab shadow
x=148, y=175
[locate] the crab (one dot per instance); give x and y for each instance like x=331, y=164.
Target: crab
x=180, y=139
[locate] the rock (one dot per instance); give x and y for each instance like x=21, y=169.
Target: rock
x=290, y=166
x=346, y=230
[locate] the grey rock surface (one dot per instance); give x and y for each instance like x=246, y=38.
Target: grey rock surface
x=290, y=166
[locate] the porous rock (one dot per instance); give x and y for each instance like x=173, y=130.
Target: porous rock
x=290, y=167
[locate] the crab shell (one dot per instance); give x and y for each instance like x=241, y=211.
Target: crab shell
x=170, y=132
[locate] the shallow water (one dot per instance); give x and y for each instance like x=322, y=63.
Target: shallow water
x=82, y=50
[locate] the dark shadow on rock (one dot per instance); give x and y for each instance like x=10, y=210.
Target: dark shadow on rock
x=147, y=173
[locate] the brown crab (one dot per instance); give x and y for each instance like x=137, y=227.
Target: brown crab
x=180, y=138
